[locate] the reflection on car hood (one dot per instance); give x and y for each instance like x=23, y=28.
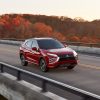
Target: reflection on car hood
x=61, y=50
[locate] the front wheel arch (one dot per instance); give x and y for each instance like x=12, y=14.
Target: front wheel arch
x=43, y=68
x=23, y=60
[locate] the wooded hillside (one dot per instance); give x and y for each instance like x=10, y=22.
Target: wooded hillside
x=22, y=26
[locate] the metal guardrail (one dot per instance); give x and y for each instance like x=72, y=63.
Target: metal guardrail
x=82, y=44
x=68, y=43
x=12, y=39
x=79, y=92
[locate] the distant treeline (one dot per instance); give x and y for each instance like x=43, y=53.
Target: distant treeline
x=22, y=26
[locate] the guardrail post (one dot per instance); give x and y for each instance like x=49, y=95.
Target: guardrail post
x=1, y=68
x=44, y=86
x=19, y=75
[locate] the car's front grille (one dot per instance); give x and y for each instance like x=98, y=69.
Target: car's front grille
x=63, y=57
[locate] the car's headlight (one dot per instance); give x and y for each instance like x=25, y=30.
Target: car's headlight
x=49, y=54
x=52, y=58
x=75, y=54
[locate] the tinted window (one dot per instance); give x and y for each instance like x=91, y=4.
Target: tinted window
x=28, y=44
x=49, y=44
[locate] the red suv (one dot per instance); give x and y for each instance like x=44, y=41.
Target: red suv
x=47, y=53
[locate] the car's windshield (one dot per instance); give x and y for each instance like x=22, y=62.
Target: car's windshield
x=49, y=44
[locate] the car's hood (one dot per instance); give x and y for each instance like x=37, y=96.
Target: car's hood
x=61, y=50
x=66, y=50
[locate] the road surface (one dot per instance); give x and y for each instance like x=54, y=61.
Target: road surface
x=86, y=75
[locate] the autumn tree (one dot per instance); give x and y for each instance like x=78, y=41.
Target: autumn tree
x=42, y=29
x=28, y=25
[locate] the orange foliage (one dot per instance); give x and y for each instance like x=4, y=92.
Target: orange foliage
x=42, y=28
x=89, y=40
x=85, y=39
x=16, y=21
x=62, y=28
x=59, y=36
x=74, y=38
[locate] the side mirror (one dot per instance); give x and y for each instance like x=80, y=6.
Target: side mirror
x=35, y=49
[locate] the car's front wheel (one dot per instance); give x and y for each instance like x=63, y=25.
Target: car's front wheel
x=43, y=65
x=23, y=61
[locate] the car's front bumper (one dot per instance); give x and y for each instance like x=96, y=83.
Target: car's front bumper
x=63, y=63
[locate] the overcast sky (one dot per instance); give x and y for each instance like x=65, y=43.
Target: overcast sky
x=87, y=9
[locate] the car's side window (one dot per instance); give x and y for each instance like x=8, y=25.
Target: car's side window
x=29, y=44
x=34, y=44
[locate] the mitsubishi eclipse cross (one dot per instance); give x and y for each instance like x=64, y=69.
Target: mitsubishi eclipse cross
x=47, y=53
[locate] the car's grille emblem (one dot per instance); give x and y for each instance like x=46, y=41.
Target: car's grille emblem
x=67, y=56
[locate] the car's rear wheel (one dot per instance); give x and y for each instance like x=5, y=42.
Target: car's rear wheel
x=70, y=67
x=23, y=61
x=43, y=65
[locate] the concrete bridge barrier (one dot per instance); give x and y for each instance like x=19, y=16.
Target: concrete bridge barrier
x=12, y=89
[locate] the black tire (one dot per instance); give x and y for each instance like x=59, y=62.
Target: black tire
x=23, y=61
x=43, y=65
x=70, y=67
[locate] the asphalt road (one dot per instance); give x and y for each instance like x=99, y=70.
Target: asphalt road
x=86, y=75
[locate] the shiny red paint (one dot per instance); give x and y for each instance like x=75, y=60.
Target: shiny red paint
x=33, y=56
